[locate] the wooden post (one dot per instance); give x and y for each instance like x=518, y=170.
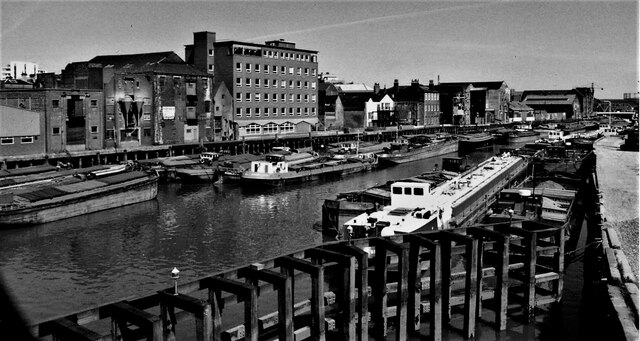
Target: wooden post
x=201, y=309
x=530, y=275
x=347, y=291
x=282, y=283
x=123, y=313
x=288, y=263
x=362, y=304
x=246, y=293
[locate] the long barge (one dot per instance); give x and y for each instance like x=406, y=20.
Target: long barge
x=419, y=206
x=415, y=151
x=37, y=204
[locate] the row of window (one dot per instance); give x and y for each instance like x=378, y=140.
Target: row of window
x=274, y=112
x=265, y=97
x=290, y=56
x=257, y=82
x=269, y=128
x=275, y=69
x=408, y=190
x=12, y=140
x=55, y=103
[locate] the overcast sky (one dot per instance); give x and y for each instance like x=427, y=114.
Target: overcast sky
x=528, y=44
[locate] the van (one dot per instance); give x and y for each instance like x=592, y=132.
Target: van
x=209, y=157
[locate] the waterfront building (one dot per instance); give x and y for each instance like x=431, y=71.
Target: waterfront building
x=328, y=102
x=21, y=131
x=274, y=86
x=380, y=110
x=575, y=103
x=73, y=118
x=520, y=113
x=416, y=104
x=474, y=102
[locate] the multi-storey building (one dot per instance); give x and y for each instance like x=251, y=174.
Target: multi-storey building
x=72, y=119
x=416, y=104
x=20, y=70
x=21, y=131
x=274, y=86
x=474, y=102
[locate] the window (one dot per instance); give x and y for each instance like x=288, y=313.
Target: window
x=270, y=128
x=306, y=111
x=257, y=112
x=54, y=103
x=55, y=131
x=274, y=97
x=210, y=67
x=418, y=191
x=313, y=85
x=238, y=96
x=313, y=98
x=94, y=102
x=6, y=140
x=313, y=111
x=283, y=70
x=298, y=111
x=256, y=97
x=247, y=97
x=257, y=83
x=283, y=97
x=299, y=71
x=94, y=129
x=257, y=68
x=286, y=127
x=306, y=98
x=298, y=98
x=274, y=83
x=298, y=84
x=253, y=129
x=239, y=67
x=266, y=112
x=211, y=52
x=191, y=89
x=306, y=85
x=283, y=84
x=26, y=139
x=266, y=68
x=291, y=70
x=110, y=134
x=314, y=59
x=283, y=111
x=407, y=190
x=397, y=190
x=248, y=67
x=274, y=111
x=290, y=97
x=313, y=72
x=290, y=111
x=265, y=97
x=239, y=112
x=265, y=83
x=147, y=132
x=306, y=71
x=238, y=81
x=290, y=84
x=247, y=112
x=247, y=82
x=274, y=69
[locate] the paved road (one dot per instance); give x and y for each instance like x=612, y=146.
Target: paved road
x=618, y=179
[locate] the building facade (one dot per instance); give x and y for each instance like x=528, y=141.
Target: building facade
x=416, y=104
x=274, y=86
x=21, y=132
x=475, y=102
x=73, y=118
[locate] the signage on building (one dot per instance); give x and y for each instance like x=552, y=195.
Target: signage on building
x=168, y=113
x=146, y=117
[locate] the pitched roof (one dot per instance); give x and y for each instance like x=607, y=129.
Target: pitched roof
x=491, y=85
x=138, y=59
x=519, y=106
x=354, y=101
x=552, y=99
x=360, y=87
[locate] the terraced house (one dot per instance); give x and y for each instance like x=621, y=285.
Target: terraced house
x=274, y=86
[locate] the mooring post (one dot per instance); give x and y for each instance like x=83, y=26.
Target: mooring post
x=362, y=274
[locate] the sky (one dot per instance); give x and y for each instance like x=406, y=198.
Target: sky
x=528, y=44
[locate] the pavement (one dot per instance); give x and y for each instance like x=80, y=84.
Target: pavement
x=618, y=180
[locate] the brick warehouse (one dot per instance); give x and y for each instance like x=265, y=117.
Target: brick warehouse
x=73, y=119
x=274, y=86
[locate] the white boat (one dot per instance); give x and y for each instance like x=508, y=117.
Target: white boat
x=417, y=206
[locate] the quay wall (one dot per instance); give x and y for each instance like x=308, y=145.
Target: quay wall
x=616, y=218
x=247, y=145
